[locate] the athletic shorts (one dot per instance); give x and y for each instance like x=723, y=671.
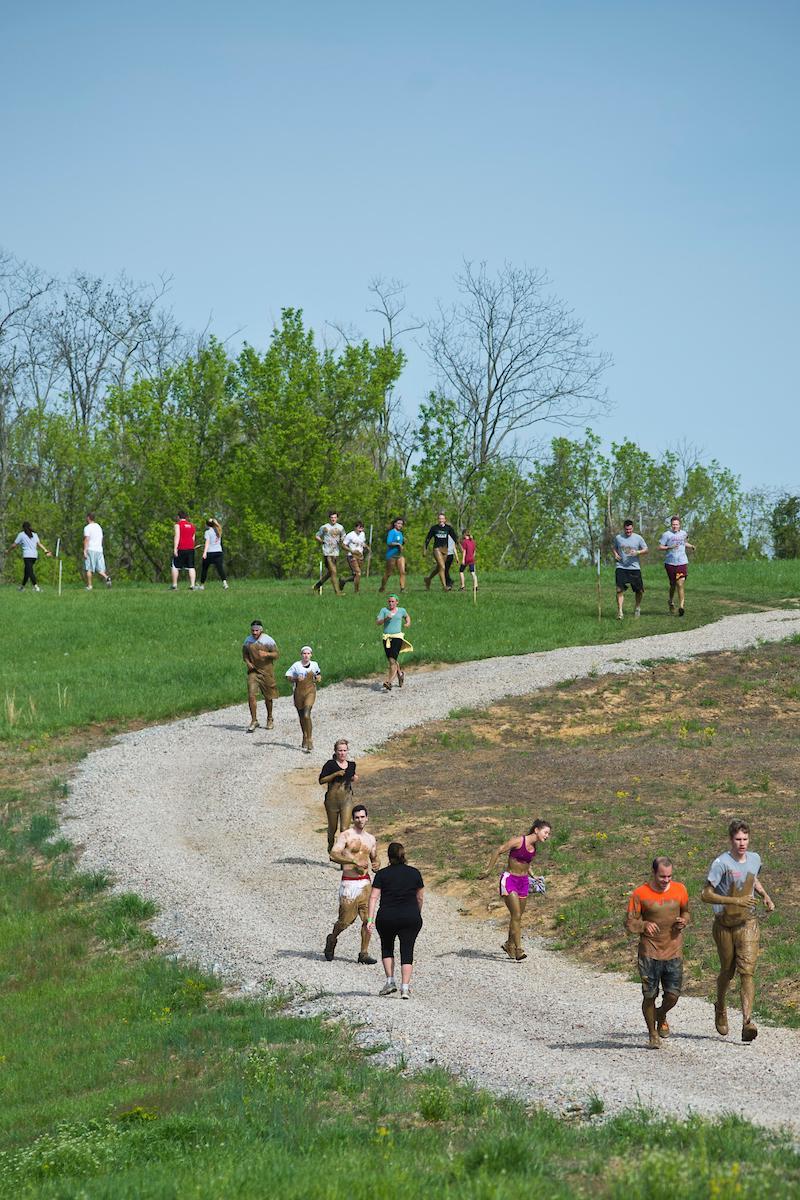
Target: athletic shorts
x=94, y=561
x=664, y=972
x=631, y=579
x=392, y=647
x=468, y=567
x=517, y=885
x=183, y=560
x=676, y=571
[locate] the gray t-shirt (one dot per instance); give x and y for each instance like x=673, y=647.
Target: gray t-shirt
x=331, y=537
x=676, y=556
x=728, y=876
x=628, y=550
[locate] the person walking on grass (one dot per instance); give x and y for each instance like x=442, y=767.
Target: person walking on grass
x=398, y=893
x=468, y=549
x=305, y=675
x=29, y=543
x=395, y=556
x=212, y=553
x=355, y=850
x=392, y=619
x=732, y=886
x=515, y=882
x=440, y=534
x=337, y=777
x=259, y=652
x=659, y=912
x=183, y=550
x=93, y=558
x=329, y=537
x=627, y=548
x=673, y=545
x=354, y=544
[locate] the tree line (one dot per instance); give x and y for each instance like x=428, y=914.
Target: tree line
x=106, y=404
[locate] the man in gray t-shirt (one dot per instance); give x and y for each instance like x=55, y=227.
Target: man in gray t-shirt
x=330, y=537
x=627, y=547
x=731, y=887
x=673, y=544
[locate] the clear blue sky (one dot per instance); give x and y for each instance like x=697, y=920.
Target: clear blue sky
x=267, y=155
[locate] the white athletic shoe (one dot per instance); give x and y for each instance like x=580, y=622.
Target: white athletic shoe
x=637, y=612
x=225, y=585
x=200, y=587
x=388, y=989
x=253, y=726
x=36, y=587
x=405, y=993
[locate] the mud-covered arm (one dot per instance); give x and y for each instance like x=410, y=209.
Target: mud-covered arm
x=634, y=921
x=709, y=896
x=330, y=771
x=759, y=889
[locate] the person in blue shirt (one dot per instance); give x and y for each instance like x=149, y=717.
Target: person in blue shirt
x=392, y=619
x=395, y=557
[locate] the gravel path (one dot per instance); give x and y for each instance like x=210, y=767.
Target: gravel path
x=207, y=822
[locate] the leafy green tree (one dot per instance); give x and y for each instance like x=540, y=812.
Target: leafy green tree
x=785, y=525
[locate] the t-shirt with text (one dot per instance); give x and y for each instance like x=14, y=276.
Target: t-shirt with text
x=676, y=556
x=628, y=549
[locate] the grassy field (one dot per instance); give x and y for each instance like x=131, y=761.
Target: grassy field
x=143, y=652
x=625, y=767
x=125, y=1076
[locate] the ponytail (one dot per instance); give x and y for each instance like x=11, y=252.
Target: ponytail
x=397, y=854
x=538, y=824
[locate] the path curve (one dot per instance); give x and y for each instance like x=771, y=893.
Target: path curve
x=203, y=820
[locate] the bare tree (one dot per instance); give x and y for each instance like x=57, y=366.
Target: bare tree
x=510, y=355
x=22, y=288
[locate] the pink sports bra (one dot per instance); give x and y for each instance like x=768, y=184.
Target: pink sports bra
x=522, y=853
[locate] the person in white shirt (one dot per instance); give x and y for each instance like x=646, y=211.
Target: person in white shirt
x=29, y=542
x=329, y=537
x=305, y=675
x=354, y=543
x=212, y=553
x=93, y=559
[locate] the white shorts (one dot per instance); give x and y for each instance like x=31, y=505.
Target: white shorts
x=351, y=889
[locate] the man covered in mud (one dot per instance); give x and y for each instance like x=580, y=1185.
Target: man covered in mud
x=659, y=912
x=259, y=653
x=355, y=850
x=732, y=887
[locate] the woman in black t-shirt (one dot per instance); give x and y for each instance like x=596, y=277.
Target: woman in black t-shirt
x=397, y=894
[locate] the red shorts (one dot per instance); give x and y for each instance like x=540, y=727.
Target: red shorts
x=676, y=571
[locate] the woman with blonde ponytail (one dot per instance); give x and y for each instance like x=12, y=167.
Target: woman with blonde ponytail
x=212, y=552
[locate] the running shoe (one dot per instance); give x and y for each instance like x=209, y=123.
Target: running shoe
x=662, y=1028
x=366, y=960
x=721, y=1020
x=108, y=581
x=388, y=989
x=681, y=611
x=405, y=993
x=36, y=587
x=252, y=726
x=225, y=585
x=387, y=687
x=655, y=1042
x=637, y=612
x=199, y=587
x=330, y=947
x=510, y=951
x=749, y=1032
x=520, y=954
x=270, y=724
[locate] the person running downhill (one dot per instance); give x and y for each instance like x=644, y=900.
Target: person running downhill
x=29, y=543
x=395, y=557
x=732, y=887
x=468, y=549
x=392, y=620
x=439, y=534
x=627, y=547
x=673, y=545
x=259, y=653
x=329, y=537
x=515, y=882
x=337, y=777
x=659, y=912
x=355, y=850
x=354, y=543
x=305, y=675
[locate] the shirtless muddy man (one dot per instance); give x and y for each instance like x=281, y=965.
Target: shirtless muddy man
x=356, y=851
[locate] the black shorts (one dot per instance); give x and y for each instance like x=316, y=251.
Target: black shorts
x=392, y=649
x=183, y=560
x=467, y=567
x=632, y=579
x=405, y=928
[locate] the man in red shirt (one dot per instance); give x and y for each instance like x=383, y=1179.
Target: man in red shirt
x=659, y=912
x=183, y=550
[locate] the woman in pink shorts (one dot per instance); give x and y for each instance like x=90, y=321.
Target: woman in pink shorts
x=515, y=881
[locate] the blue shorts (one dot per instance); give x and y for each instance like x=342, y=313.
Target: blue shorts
x=664, y=972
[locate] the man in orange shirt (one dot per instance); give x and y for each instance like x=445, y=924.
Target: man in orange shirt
x=659, y=912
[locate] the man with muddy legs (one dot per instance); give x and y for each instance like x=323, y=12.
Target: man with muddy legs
x=338, y=776
x=355, y=850
x=259, y=653
x=659, y=912
x=329, y=537
x=440, y=534
x=732, y=887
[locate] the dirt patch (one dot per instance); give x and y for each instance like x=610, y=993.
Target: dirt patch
x=625, y=767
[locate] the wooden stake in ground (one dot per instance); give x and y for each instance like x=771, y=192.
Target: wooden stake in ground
x=599, y=600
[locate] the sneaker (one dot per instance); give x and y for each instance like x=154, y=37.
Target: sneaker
x=637, y=612
x=366, y=960
x=749, y=1032
x=387, y=687
x=681, y=611
x=270, y=724
x=510, y=950
x=36, y=587
x=662, y=1028
x=520, y=954
x=388, y=989
x=224, y=585
x=108, y=581
x=89, y=588
x=619, y=616
x=173, y=587
x=330, y=947
x=199, y=587
x=672, y=610
x=654, y=1043
x=721, y=1020
x=405, y=992
x=21, y=587
x=252, y=726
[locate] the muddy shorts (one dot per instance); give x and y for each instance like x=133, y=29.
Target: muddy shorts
x=666, y=973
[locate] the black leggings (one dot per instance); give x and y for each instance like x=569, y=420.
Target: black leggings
x=30, y=571
x=404, y=928
x=213, y=559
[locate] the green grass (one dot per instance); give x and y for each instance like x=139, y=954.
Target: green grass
x=125, y=1076
x=142, y=652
